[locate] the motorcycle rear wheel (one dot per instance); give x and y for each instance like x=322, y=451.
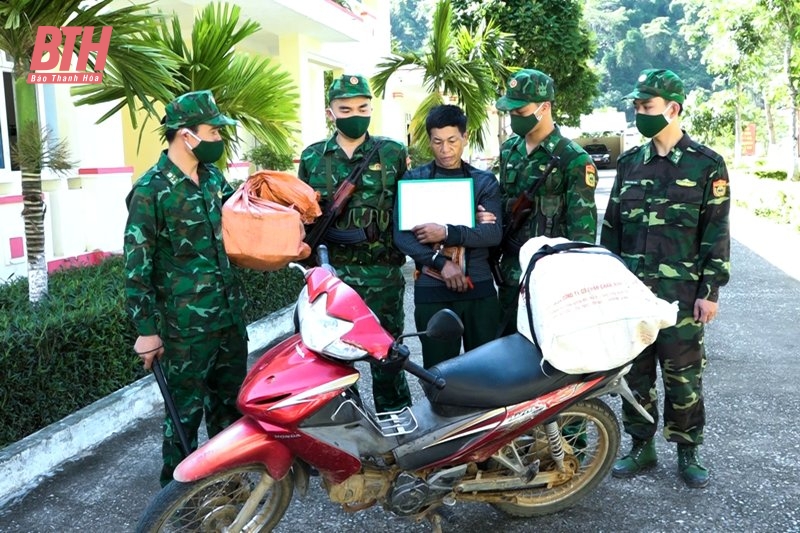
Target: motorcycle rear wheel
x=213, y=503
x=592, y=449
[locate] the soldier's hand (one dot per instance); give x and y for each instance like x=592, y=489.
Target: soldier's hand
x=429, y=233
x=148, y=347
x=705, y=310
x=454, y=278
x=485, y=217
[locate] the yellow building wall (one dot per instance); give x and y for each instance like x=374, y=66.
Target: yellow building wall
x=141, y=156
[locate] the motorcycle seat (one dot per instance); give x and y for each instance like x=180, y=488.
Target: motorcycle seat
x=503, y=372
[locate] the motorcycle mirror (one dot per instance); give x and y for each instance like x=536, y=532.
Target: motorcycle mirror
x=444, y=325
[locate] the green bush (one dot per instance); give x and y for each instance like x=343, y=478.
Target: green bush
x=779, y=175
x=76, y=346
x=269, y=291
x=264, y=157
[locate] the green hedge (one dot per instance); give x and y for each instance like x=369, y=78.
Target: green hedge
x=76, y=346
x=779, y=175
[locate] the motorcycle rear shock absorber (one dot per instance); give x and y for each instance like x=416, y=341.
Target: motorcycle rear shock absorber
x=556, y=450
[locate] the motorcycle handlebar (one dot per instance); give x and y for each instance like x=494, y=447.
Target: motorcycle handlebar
x=424, y=375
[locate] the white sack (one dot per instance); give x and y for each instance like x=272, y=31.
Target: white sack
x=589, y=312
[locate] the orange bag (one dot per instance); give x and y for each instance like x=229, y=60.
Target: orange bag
x=261, y=234
x=286, y=189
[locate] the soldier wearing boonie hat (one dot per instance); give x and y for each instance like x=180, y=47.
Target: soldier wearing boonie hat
x=667, y=218
x=182, y=295
x=360, y=242
x=564, y=205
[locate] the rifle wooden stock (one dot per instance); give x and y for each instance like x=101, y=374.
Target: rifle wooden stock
x=520, y=211
x=340, y=199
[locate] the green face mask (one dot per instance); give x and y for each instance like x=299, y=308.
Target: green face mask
x=206, y=151
x=522, y=125
x=352, y=127
x=650, y=125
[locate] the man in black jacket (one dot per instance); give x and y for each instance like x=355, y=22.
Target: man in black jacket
x=463, y=284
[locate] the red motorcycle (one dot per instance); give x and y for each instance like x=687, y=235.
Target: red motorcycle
x=498, y=426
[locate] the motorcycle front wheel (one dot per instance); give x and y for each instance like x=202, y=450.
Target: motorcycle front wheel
x=590, y=438
x=242, y=499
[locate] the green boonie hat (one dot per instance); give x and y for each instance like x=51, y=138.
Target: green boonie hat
x=195, y=108
x=348, y=86
x=654, y=82
x=526, y=86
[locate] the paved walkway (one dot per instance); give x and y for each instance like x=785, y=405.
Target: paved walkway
x=751, y=447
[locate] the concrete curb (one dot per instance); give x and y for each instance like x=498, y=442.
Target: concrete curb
x=24, y=463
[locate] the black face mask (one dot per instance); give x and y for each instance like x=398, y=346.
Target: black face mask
x=206, y=151
x=523, y=125
x=352, y=127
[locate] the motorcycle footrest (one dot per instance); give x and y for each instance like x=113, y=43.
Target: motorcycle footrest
x=392, y=423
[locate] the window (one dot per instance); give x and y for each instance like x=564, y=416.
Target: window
x=8, y=121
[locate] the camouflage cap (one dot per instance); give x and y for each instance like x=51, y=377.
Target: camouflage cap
x=654, y=82
x=526, y=86
x=195, y=108
x=348, y=86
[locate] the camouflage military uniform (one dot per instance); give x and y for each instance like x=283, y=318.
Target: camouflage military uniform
x=369, y=263
x=180, y=286
x=668, y=219
x=564, y=206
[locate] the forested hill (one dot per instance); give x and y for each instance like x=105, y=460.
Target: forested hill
x=635, y=34
x=630, y=35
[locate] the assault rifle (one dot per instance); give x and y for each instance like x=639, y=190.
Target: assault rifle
x=339, y=201
x=520, y=211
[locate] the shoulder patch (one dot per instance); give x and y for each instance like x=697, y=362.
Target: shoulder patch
x=719, y=188
x=590, y=176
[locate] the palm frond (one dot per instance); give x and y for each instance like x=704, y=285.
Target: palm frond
x=252, y=90
x=441, y=34
x=389, y=66
x=457, y=62
x=263, y=98
x=419, y=134
x=22, y=20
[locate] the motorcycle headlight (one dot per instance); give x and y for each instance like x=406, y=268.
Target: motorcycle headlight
x=322, y=332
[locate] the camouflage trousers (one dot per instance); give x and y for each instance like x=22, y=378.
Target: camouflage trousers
x=508, y=295
x=204, y=373
x=382, y=288
x=680, y=352
x=480, y=318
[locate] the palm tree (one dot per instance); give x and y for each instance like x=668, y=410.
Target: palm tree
x=250, y=89
x=457, y=62
x=143, y=70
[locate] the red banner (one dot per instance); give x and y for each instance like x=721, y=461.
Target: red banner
x=749, y=139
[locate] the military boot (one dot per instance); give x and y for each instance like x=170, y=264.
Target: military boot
x=694, y=474
x=641, y=457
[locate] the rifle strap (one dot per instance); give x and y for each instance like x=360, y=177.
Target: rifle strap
x=557, y=151
x=329, y=170
x=525, y=282
x=561, y=145
x=329, y=174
